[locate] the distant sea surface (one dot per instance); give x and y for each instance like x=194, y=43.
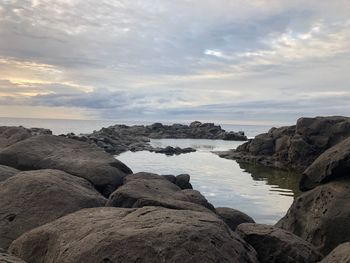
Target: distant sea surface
x=264, y=194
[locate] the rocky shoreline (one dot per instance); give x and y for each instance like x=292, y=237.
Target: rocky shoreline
x=120, y=138
x=65, y=200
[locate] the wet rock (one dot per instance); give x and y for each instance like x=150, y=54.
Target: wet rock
x=7, y=172
x=74, y=157
x=30, y=199
x=341, y=254
x=169, y=150
x=144, y=189
x=276, y=245
x=321, y=216
x=149, y=234
x=233, y=217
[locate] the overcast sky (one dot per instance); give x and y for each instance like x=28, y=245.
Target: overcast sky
x=228, y=61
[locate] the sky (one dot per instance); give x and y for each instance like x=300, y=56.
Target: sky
x=226, y=61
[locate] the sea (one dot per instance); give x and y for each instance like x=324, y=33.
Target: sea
x=263, y=193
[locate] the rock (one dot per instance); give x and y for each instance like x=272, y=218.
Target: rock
x=11, y=135
x=31, y=199
x=144, y=189
x=293, y=147
x=169, y=150
x=7, y=172
x=72, y=156
x=149, y=234
x=340, y=254
x=233, y=217
x=183, y=181
x=276, y=245
x=321, y=216
x=332, y=164
x=170, y=177
x=7, y=258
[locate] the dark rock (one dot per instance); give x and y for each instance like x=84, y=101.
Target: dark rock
x=183, y=181
x=74, y=157
x=170, y=177
x=30, y=199
x=7, y=258
x=233, y=217
x=144, y=189
x=169, y=150
x=276, y=245
x=332, y=164
x=321, y=216
x=150, y=234
x=341, y=254
x=7, y=172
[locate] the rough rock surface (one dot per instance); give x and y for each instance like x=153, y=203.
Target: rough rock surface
x=7, y=172
x=341, y=254
x=120, y=138
x=7, y=258
x=233, y=217
x=183, y=181
x=321, y=216
x=74, y=157
x=276, y=245
x=30, y=199
x=332, y=164
x=294, y=147
x=149, y=234
x=144, y=189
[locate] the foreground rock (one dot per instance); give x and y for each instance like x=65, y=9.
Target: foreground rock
x=7, y=172
x=120, y=138
x=144, y=189
x=150, y=234
x=7, y=258
x=294, y=147
x=233, y=217
x=340, y=254
x=332, y=164
x=321, y=216
x=31, y=199
x=74, y=157
x=276, y=245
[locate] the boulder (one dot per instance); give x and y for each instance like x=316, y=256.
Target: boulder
x=340, y=254
x=7, y=172
x=11, y=135
x=183, y=181
x=149, y=234
x=332, y=164
x=144, y=189
x=31, y=199
x=72, y=156
x=233, y=217
x=276, y=245
x=321, y=216
x=7, y=258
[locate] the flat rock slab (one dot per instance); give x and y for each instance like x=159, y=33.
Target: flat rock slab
x=149, y=234
x=7, y=172
x=72, y=156
x=31, y=199
x=233, y=217
x=332, y=164
x=321, y=216
x=275, y=245
x=144, y=189
x=341, y=254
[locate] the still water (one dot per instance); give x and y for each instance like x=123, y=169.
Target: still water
x=264, y=194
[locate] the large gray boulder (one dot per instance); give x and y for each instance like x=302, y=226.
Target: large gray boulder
x=31, y=199
x=144, y=189
x=341, y=254
x=72, y=156
x=7, y=258
x=275, y=245
x=149, y=234
x=233, y=217
x=11, y=135
x=332, y=164
x=6, y=172
x=321, y=216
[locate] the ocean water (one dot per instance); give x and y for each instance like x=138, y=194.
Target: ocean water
x=264, y=194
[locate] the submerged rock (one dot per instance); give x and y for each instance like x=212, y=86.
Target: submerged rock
x=74, y=157
x=275, y=245
x=149, y=234
x=31, y=199
x=321, y=216
x=233, y=217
